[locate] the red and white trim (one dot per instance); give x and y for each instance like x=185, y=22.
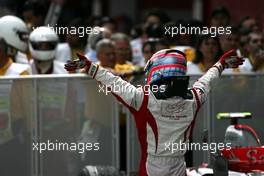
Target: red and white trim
x=189, y=130
x=93, y=70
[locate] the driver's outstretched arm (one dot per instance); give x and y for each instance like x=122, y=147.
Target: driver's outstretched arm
x=125, y=92
x=227, y=60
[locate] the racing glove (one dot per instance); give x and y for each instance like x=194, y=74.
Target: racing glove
x=230, y=59
x=82, y=63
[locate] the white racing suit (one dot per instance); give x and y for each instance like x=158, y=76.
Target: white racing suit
x=160, y=122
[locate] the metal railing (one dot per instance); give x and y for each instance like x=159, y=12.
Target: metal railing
x=70, y=109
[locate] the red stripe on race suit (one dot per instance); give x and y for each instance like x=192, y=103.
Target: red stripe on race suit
x=191, y=126
x=143, y=117
x=197, y=110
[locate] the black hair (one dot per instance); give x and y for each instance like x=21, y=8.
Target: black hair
x=164, y=18
x=154, y=31
x=107, y=19
x=244, y=31
x=220, y=10
x=245, y=19
x=37, y=7
x=234, y=30
x=77, y=23
x=94, y=21
x=198, y=54
x=175, y=40
x=153, y=42
x=136, y=31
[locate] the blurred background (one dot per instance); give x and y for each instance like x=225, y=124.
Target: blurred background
x=133, y=11
x=51, y=104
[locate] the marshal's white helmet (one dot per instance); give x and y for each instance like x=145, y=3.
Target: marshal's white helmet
x=42, y=43
x=14, y=31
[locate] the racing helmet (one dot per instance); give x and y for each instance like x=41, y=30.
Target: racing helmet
x=15, y=32
x=167, y=70
x=165, y=64
x=42, y=43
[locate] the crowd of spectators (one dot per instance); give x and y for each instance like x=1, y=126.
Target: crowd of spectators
x=124, y=52
x=34, y=48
